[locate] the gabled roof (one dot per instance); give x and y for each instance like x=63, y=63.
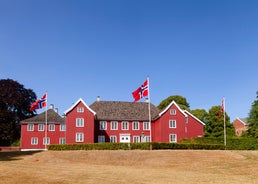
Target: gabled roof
x=52, y=117
x=194, y=117
x=76, y=103
x=243, y=120
x=172, y=103
x=116, y=110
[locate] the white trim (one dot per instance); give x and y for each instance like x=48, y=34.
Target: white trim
x=76, y=103
x=194, y=117
x=173, y=102
x=241, y=121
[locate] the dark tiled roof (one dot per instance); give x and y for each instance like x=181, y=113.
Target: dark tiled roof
x=114, y=110
x=52, y=117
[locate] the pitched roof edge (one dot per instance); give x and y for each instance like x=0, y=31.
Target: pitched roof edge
x=171, y=103
x=76, y=103
x=242, y=121
x=194, y=117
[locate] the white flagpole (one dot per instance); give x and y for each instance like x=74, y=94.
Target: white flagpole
x=225, y=136
x=149, y=108
x=46, y=124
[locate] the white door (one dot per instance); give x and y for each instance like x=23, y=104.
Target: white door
x=125, y=138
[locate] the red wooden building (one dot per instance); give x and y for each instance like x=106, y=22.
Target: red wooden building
x=240, y=126
x=115, y=121
x=35, y=134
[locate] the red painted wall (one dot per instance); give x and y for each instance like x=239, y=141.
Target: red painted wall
x=27, y=135
x=183, y=129
x=108, y=132
x=87, y=130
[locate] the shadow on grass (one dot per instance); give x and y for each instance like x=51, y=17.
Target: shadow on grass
x=15, y=155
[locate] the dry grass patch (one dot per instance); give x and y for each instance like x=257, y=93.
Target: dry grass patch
x=135, y=166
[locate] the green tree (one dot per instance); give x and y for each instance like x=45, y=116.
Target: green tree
x=252, y=119
x=215, y=126
x=201, y=114
x=15, y=102
x=181, y=101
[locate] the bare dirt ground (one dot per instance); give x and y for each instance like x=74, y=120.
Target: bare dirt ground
x=136, y=166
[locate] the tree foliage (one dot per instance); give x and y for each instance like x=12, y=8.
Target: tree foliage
x=181, y=101
x=252, y=120
x=215, y=126
x=201, y=114
x=15, y=102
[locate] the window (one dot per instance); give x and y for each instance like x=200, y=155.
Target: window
x=135, y=125
x=113, y=139
x=186, y=119
x=62, y=140
x=172, y=123
x=80, y=109
x=34, y=141
x=79, y=137
x=51, y=127
x=79, y=122
x=173, y=112
x=114, y=125
x=40, y=127
x=146, y=125
x=30, y=127
x=136, y=139
x=172, y=138
x=46, y=140
x=62, y=127
x=147, y=138
x=125, y=125
x=102, y=125
x=101, y=138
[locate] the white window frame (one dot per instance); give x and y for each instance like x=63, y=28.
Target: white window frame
x=114, y=125
x=80, y=109
x=79, y=137
x=101, y=139
x=135, y=125
x=125, y=125
x=102, y=125
x=46, y=140
x=146, y=125
x=147, y=138
x=172, y=123
x=62, y=127
x=173, y=138
x=30, y=127
x=173, y=111
x=136, y=138
x=79, y=122
x=113, y=138
x=51, y=127
x=34, y=141
x=41, y=127
x=62, y=140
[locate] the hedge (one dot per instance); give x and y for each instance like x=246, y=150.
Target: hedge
x=232, y=143
x=133, y=146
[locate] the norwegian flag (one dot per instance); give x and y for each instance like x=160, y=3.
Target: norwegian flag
x=40, y=103
x=141, y=91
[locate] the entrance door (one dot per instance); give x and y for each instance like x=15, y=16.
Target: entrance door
x=125, y=138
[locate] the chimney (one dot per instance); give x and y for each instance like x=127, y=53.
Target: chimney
x=51, y=106
x=56, y=110
x=98, y=98
x=147, y=100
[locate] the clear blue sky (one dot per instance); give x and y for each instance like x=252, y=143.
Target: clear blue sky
x=202, y=50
